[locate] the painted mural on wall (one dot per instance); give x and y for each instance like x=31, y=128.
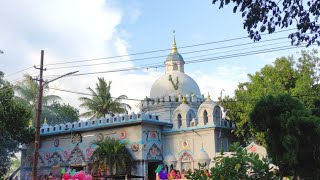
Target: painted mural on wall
x=151, y=135
x=185, y=156
x=29, y=161
x=154, y=153
x=76, y=157
x=55, y=159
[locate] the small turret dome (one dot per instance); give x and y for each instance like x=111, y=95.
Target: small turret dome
x=207, y=104
x=182, y=108
x=203, y=157
x=174, y=57
x=169, y=158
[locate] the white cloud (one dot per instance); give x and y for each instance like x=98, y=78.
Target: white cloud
x=80, y=29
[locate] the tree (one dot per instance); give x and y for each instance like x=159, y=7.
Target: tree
x=102, y=103
x=112, y=155
x=299, y=78
x=60, y=113
x=293, y=135
x=14, y=129
x=269, y=15
x=52, y=110
x=240, y=165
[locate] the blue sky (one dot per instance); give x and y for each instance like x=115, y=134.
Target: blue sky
x=82, y=29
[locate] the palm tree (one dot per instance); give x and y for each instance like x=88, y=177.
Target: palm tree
x=113, y=156
x=27, y=91
x=102, y=103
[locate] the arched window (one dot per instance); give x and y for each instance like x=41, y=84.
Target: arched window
x=217, y=115
x=205, y=117
x=189, y=119
x=179, y=121
x=175, y=66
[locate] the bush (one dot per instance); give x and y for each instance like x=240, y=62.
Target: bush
x=240, y=165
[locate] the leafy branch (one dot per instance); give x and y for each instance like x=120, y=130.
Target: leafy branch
x=175, y=85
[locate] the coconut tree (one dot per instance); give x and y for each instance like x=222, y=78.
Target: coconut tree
x=112, y=155
x=101, y=103
x=27, y=91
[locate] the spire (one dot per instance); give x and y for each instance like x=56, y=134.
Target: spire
x=208, y=97
x=45, y=120
x=174, y=49
x=184, y=101
x=202, y=149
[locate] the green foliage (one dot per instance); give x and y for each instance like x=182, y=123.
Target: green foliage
x=14, y=129
x=14, y=165
x=299, y=78
x=102, y=103
x=60, y=113
x=112, y=155
x=240, y=165
x=293, y=135
x=175, y=85
x=55, y=112
x=263, y=15
x=27, y=91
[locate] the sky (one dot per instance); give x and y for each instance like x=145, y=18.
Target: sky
x=70, y=31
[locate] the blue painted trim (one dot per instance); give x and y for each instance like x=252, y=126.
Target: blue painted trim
x=114, y=124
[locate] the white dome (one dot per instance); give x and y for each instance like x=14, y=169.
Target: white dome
x=169, y=158
x=203, y=155
x=208, y=104
x=182, y=108
x=163, y=86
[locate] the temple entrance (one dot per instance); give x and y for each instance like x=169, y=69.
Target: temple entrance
x=152, y=166
x=77, y=168
x=186, y=166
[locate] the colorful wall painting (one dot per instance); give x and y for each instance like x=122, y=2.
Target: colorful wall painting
x=123, y=134
x=154, y=153
x=76, y=157
x=55, y=159
x=152, y=135
x=41, y=162
x=185, y=157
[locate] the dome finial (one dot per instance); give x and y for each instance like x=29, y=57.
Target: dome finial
x=184, y=101
x=45, y=120
x=174, y=45
x=202, y=149
x=208, y=97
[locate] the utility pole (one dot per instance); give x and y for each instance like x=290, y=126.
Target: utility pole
x=37, y=135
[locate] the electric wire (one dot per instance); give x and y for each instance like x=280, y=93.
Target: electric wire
x=148, y=52
x=149, y=100
x=191, y=62
x=167, y=49
x=18, y=71
x=154, y=57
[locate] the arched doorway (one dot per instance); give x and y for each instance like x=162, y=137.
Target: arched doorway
x=185, y=161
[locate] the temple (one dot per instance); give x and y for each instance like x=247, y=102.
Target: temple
x=176, y=126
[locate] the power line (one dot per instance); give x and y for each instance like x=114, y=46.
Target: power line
x=154, y=57
x=194, y=61
x=18, y=71
x=167, y=49
x=148, y=52
x=133, y=99
x=191, y=62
